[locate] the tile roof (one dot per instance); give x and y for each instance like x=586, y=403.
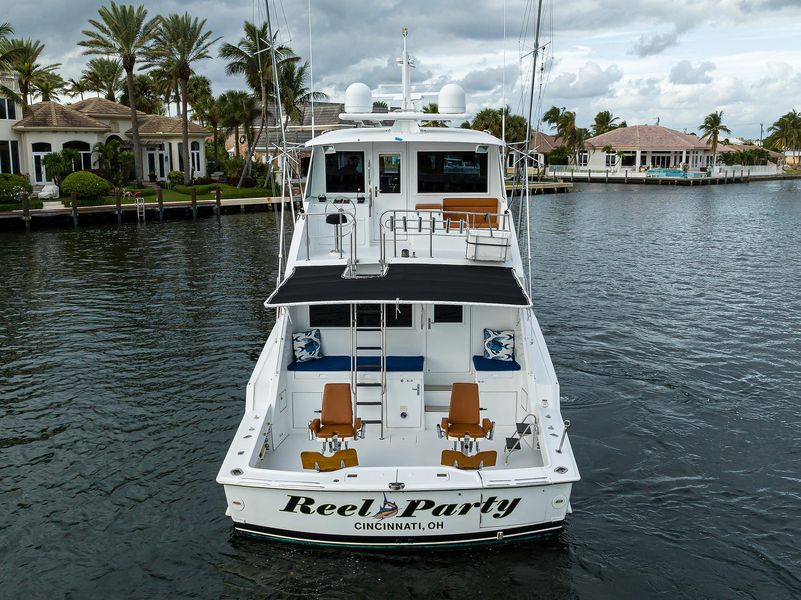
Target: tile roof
x=55, y=116
x=102, y=107
x=646, y=137
x=326, y=116
x=159, y=125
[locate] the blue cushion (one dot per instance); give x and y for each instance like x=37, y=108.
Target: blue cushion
x=366, y=363
x=489, y=364
x=306, y=345
x=499, y=345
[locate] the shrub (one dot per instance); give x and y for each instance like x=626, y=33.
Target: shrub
x=12, y=186
x=175, y=177
x=203, y=180
x=200, y=189
x=86, y=185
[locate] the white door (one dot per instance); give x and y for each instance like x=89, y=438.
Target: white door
x=447, y=338
x=388, y=170
x=39, y=171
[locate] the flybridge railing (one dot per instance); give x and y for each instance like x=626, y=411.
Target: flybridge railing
x=343, y=229
x=490, y=229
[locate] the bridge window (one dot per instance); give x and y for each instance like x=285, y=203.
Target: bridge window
x=451, y=172
x=338, y=315
x=344, y=172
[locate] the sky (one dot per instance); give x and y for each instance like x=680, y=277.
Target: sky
x=641, y=59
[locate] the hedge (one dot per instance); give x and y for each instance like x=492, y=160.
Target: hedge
x=86, y=185
x=11, y=186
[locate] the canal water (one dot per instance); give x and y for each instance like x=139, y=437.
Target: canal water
x=673, y=316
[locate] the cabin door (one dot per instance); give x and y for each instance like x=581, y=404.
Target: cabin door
x=388, y=170
x=447, y=338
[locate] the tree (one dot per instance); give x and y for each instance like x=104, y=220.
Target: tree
x=115, y=164
x=48, y=87
x=105, y=76
x=212, y=112
x=179, y=41
x=293, y=83
x=123, y=31
x=564, y=121
x=432, y=108
x=380, y=104
x=198, y=91
x=233, y=114
x=711, y=129
x=605, y=121
x=24, y=55
x=146, y=98
x=7, y=52
x=78, y=87
x=785, y=133
x=60, y=164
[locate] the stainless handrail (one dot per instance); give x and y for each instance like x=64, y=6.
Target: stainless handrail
x=437, y=225
x=350, y=232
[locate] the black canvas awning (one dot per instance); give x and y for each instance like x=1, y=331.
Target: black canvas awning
x=404, y=283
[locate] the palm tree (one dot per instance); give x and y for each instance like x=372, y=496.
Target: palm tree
x=24, y=54
x=78, y=87
x=181, y=40
x=432, y=108
x=605, y=121
x=233, y=114
x=211, y=111
x=165, y=84
x=123, y=31
x=711, y=129
x=49, y=87
x=106, y=76
x=7, y=52
x=571, y=136
x=785, y=133
x=293, y=82
x=198, y=91
x=146, y=97
x=249, y=58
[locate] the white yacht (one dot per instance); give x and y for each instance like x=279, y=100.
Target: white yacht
x=405, y=396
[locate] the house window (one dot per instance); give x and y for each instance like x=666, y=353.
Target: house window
x=8, y=109
x=84, y=162
x=195, y=156
x=611, y=159
x=583, y=158
x=451, y=172
x=389, y=173
x=338, y=315
x=344, y=172
x=9, y=156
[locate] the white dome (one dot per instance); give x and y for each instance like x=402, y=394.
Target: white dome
x=358, y=99
x=451, y=99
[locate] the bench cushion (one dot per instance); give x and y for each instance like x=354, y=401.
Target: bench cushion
x=366, y=363
x=488, y=364
x=456, y=209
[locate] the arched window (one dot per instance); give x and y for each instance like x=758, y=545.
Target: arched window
x=84, y=163
x=41, y=147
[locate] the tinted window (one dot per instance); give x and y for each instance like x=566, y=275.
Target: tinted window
x=447, y=313
x=344, y=172
x=451, y=172
x=389, y=173
x=338, y=315
x=3, y=113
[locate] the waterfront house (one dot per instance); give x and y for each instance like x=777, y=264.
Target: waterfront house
x=51, y=127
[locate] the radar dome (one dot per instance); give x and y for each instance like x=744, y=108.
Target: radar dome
x=358, y=99
x=451, y=99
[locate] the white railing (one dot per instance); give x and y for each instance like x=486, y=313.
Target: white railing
x=343, y=224
x=440, y=224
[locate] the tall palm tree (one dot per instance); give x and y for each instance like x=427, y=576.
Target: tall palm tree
x=198, y=91
x=571, y=136
x=249, y=58
x=211, y=111
x=711, y=129
x=293, y=81
x=146, y=96
x=233, y=114
x=123, y=31
x=165, y=84
x=432, y=108
x=49, y=87
x=7, y=52
x=181, y=40
x=106, y=76
x=24, y=56
x=78, y=87
x=785, y=133
x=605, y=121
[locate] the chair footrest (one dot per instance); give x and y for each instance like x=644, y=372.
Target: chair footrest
x=368, y=404
x=368, y=384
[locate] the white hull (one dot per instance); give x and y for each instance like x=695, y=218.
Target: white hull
x=422, y=518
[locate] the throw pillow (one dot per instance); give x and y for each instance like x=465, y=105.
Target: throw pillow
x=499, y=345
x=306, y=345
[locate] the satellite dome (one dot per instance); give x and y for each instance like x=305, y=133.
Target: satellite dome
x=358, y=98
x=451, y=99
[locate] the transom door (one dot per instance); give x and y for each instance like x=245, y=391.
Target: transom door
x=388, y=170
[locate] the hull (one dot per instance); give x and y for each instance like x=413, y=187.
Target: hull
x=373, y=519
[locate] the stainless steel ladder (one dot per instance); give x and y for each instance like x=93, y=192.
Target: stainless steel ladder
x=140, y=207
x=357, y=351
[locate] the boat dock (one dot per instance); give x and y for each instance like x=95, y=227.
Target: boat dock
x=588, y=176
x=147, y=211
x=544, y=187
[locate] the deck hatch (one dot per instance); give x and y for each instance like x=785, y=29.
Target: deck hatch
x=411, y=284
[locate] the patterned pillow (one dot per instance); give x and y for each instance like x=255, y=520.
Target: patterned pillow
x=499, y=345
x=306, y=345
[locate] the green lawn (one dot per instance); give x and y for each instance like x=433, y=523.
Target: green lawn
x=226, y=191
x=35, y=203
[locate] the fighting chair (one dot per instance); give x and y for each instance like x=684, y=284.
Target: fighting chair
x=336, y=423
x=464, y=421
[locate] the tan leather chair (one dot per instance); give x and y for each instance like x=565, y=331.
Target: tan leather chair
x=322, y=463
x=464, y=417
x=336, y=418
x=452, y=458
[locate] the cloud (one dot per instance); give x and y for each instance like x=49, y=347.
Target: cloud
x=648, y=45
x=491, y=78
x=683, y=72
x=591, y=80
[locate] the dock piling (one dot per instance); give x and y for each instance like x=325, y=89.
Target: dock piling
x=217, y=202
x=118, y=203
x=194, y=203
x=26, y=210
x=160, y=200
x=74, y=203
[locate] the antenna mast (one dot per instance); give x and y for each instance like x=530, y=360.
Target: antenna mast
x=406, y=103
